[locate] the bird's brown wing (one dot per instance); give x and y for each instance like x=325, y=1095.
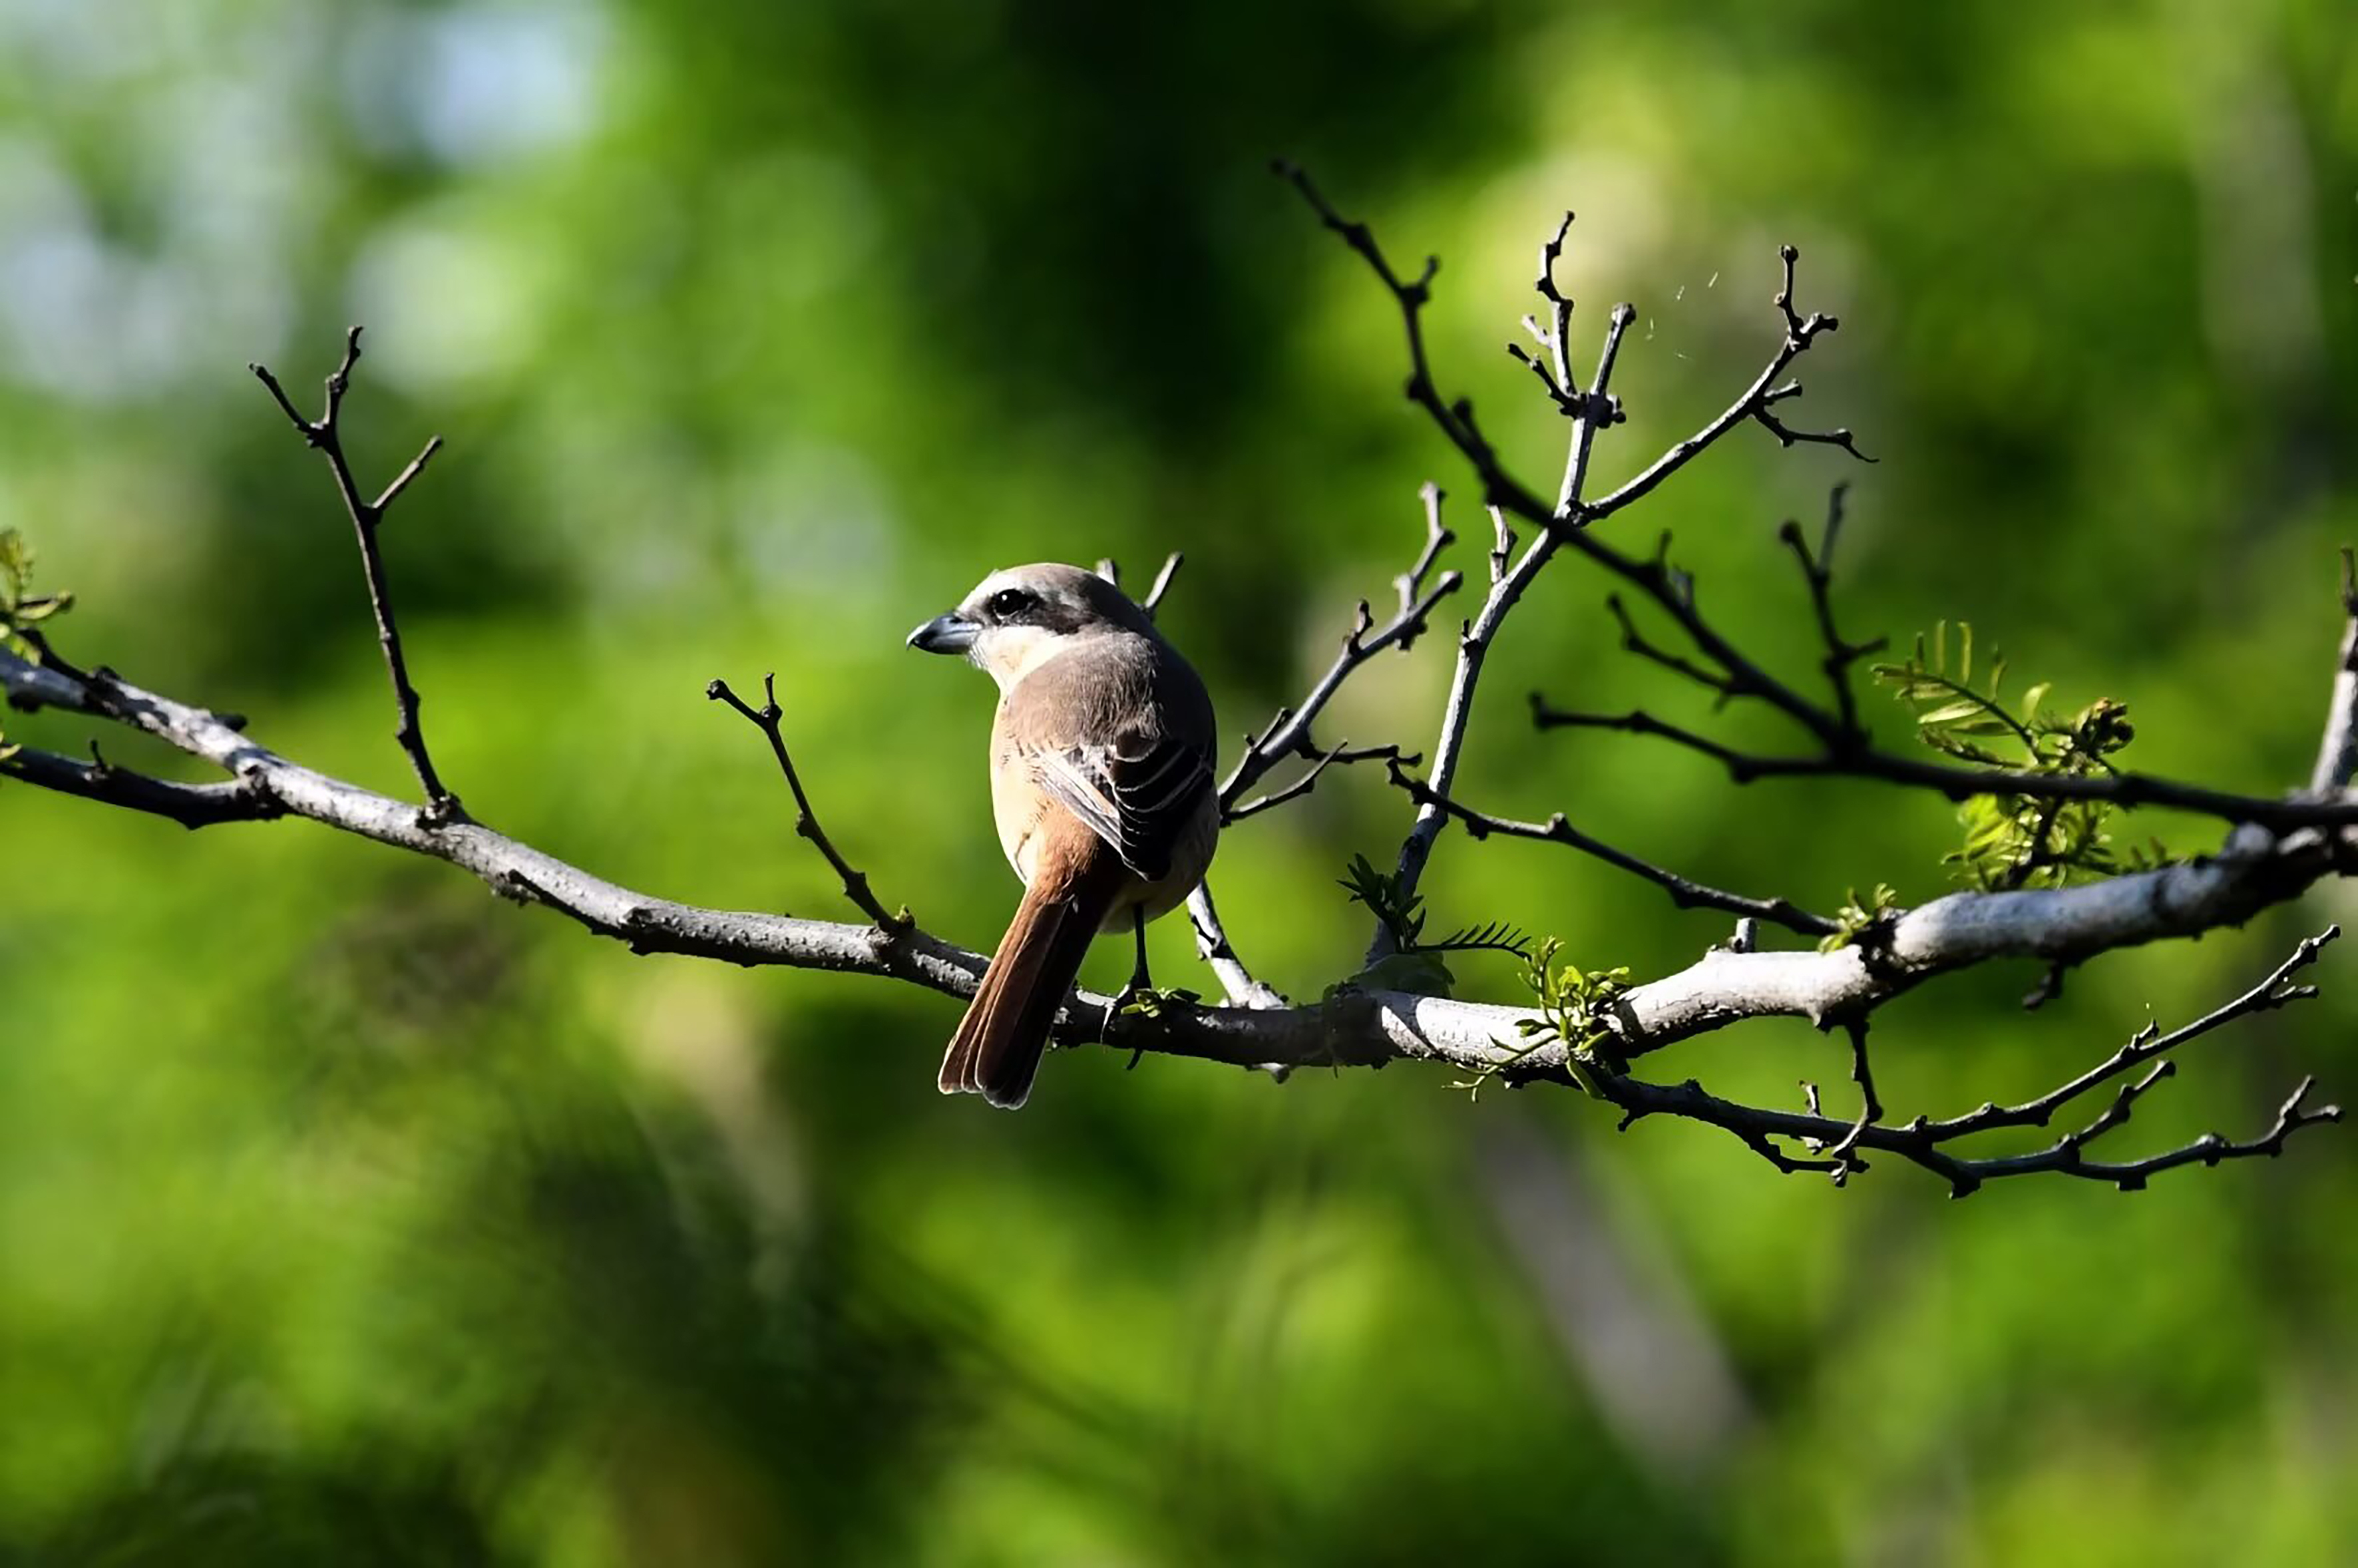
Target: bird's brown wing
x=1116, y=734
x=1138, y=794
x=1119, y=734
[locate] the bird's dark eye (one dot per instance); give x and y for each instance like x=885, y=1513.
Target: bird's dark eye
x=1010, y=602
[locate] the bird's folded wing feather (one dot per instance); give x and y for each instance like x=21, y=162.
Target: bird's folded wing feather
x=1138, y=793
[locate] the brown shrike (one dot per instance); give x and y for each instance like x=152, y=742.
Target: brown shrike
x=1101, y=785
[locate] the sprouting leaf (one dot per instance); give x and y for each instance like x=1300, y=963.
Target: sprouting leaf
x=1858, y=916
x=1491, y=936
x=1156, y=1000
x=19, y=605
x=1404, y=922
x=2013, y=840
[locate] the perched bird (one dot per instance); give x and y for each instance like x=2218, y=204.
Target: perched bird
x=1101, y=785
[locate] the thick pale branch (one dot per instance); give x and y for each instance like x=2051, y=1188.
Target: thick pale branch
x=1351, y=1028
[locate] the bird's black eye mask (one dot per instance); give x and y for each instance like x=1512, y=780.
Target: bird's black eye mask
x=1022, y=606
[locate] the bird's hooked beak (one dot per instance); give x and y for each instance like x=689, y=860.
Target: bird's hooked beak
x=951, y=633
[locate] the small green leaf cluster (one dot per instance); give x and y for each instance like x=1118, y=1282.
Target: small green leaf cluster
x=1404, y=920
x=1154, y=1002
x=1576, y=1007
x=19, y=605
x=2016, y=840
x=1858, y=916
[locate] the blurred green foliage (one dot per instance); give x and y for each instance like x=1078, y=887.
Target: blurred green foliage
x=348, y=1215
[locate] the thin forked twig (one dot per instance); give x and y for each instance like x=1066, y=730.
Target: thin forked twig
x=1288, y=731
x=1835, y=1146
x=367, y=515
x=1685, y=891
x=855, y=882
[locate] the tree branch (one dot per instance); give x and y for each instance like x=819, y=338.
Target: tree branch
x=1801, y=331
x=2277, y=850
x=1958, y=782
x=1352, y=1028
x=1288, y=732
x=855, y=882
x=1474, y=644
x=367, y=515
x=1556, y=829
x=2337, y=752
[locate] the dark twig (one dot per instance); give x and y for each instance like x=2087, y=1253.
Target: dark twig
x=1843, y=751
x=2146, y=1044
x=1635, y=641
x=367, y=516
x=1684, y=893
x=1288, y=733
x=190, y=806
x=855, y=883
x=1958, y=782
x=1801, y=331
x=1925, y=1143
x=1344, y=753
x=1454, y=421
x=1818, y=572
x=1870, y=1108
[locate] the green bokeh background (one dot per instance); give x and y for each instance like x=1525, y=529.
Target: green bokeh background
x=348, y=1215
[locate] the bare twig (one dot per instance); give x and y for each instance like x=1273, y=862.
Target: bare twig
x=190, y=806
x=1161, y=584
x=1212, y=945
x=1344, y=753
x=1870, y=1108
x=1454, y=421
x=1410, y=584
x=1958, y=782
x=2337, y=752
x=766, y=719
x=1502, y=546
x=1685, y=894
x=1844, y=752
x=1473, y=645
x=1818, y=572
x=1925, y=1143
x=1753, y=404
x=367, y=516
x=1288, y=734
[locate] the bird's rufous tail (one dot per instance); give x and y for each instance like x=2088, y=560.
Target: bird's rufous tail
x=996, y=1048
